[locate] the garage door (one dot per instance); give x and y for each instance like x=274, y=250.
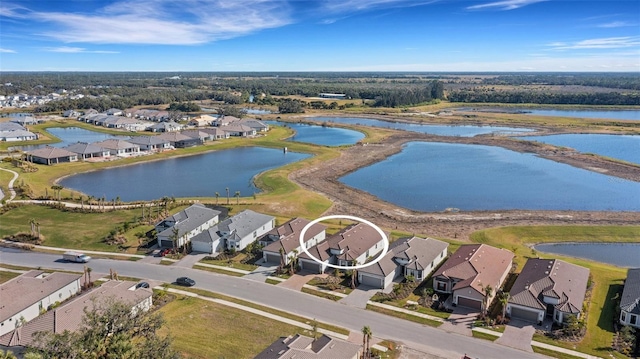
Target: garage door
x=370, y=281
x=201, y=247
x=523, y=314
x=310, y=266
x=469, y=303
x=272, y=258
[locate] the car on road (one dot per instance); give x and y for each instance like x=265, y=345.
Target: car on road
x=186, y=281
x=142, y=285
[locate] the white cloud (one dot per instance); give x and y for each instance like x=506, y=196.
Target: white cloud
x=360, y=5
x=165, y=22
x=77, y=50
x=615, y=24
x=504, y=5
x=601, y=43
x=7, y=51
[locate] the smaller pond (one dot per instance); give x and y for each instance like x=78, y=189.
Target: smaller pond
x=70, y=135
x=623, y=147
x=257, y=111
x=321, y=135
x=192, y=176
x=441, y=130
x=628, y=115
x=618, y=254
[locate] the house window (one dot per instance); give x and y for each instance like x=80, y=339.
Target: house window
x=255, y=234
x=442, y=286
x=623, y=317
x=633, y=319
x=557, y=316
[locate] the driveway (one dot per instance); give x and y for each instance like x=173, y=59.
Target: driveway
x=190, y=259
x=261, y=273
x=298, y=280
x=518, y=334
x=460, y=321
x=359, y=296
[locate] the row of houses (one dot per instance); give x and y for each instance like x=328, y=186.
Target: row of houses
x=13, y=131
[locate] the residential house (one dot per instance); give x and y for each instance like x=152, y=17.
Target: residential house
x=185, y=225
x=470, y=271
x=548, y=287
x=287, y=238
x=169, y=126
x=150, y=143
x=25, y=120
x=125, y=123
x=299, y=346
x=86, y=150
x=352, y=245
x=630, y=300
x=257, y=125
x=202, y=121
x=114, y=112
x=68, y=316
x=119, y=147
x=51, y=155
x=71, y=113
x=198, y=134
x=234, y=233
x=17, y=135
x=414, y=256
x=216, y=133
x=224, y=121
x=178, y=140
x=26, y=296
x=238, y=130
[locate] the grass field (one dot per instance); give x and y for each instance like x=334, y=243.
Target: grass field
x=202, y=329
x=5, y=276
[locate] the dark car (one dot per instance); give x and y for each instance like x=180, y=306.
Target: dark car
x=186, y=281
x=142, y=285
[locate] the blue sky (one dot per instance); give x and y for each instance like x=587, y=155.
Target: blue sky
x=328, y=35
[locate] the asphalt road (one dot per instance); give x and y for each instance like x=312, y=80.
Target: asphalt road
x=413, y=335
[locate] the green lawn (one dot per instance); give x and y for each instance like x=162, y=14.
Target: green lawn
x=484, y=336
x=320, y=294
x=5, y=276
x=413, y=318
x=233, y=263
x=69, y=229
x=202, y=329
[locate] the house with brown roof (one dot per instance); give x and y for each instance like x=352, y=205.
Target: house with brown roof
x=548, y=288
x=51, y=155
x=468, y=272
x=287, y=238
x=299, y=346
x=353, y=244
x=630, y=300
x=23, y=298
x=411, y=256
x=69, y=315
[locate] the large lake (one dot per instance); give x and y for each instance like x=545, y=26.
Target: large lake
x=70, y=135
x=610, y=115
x=624, y=147
x=436, y=176
x=619, y=254
x=321, y=135
x=442, y=130
x=191, y=176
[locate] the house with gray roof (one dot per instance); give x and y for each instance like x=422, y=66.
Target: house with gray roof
x=630, y=300
x=69, y=315
x=413, y=256
x=49, y=155
x=17, y=135
x=287, y=238
x=256, y=124
x=301, y=347
x=548, y=287
x=87, y=150
x=150, y=143
x=352, y=245
x=239, y=130
x=468, y=272
x=24, y=297
x=224, y=121
x=233, y=233
x=185, y=225
x=216, y=133
x=119, y=147
x=178, y=140
x=169, y=126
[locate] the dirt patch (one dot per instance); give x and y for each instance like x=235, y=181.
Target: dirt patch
x=323, y=178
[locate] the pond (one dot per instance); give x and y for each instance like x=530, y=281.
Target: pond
x=70, y=135
x=618, y=254
x=192, y=176
x=321, y=135
x=441, y=130
x=436, y=176
x=628, y=115
x=623, y=147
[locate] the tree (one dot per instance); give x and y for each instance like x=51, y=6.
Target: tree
x=32, y=222
x=504, y=299
x=237, y=196
x=293, y=261
x=282, y=260
x=175, y=234
x=56, y=190
x=7, y=355
x=227, y=189
x=366, y=341
x=112, y=331
x=488, y=290
x=217, y=196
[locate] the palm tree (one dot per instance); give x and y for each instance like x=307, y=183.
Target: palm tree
x=7, y=355
x=227, y=194
x=366, y=341
x=37, y=224
x=237, y=196
x=89, y=270
x=217, y=196
x=174, y=237
x=282, y=261
x=32, y=222
x=293, y=261
x=487, y=293
x=504, y=299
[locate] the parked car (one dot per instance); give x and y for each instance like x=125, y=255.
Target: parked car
x=186, y=281
x=142, y=285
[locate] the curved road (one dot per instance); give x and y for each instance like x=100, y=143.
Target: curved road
x=420, y=337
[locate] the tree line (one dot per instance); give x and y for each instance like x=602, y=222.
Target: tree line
x=497, y=96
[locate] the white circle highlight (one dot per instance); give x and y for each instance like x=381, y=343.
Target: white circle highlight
x=385, y=246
